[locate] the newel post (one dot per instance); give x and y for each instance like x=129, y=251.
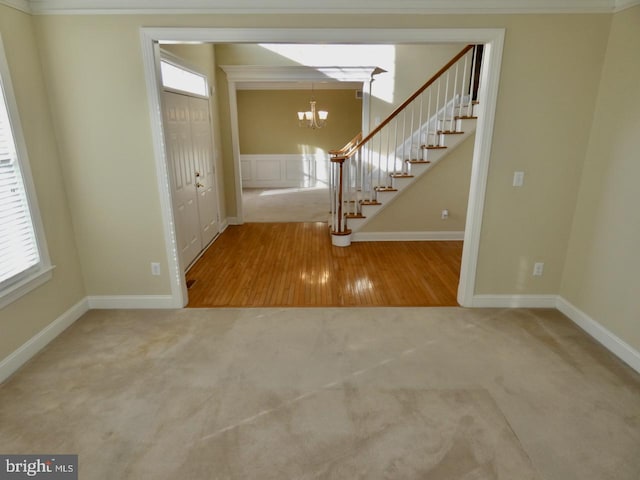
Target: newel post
x=340, y=234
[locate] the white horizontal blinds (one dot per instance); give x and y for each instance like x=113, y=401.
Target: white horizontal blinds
x=18, y=246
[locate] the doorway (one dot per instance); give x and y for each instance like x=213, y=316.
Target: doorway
x=493, y=40
x=189, y=150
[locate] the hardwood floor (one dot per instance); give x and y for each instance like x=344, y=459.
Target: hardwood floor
x=294, y=264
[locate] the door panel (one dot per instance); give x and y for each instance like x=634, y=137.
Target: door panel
x=201, y=135
x=181, y=159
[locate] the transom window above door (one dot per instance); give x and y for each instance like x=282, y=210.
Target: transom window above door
x=178, y=78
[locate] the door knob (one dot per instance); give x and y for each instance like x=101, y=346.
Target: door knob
x=199, y=185
x=197, y=174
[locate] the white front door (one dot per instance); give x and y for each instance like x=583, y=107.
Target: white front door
x=201, y=135
x=189, y=146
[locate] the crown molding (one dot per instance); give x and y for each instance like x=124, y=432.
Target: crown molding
x=84, y=7
x=621, y=5
x=22, y=5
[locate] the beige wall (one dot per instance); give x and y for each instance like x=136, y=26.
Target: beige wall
x=202, y=57
x=550, y=73
x=268, y=123
x=98, y=95
x=601, y=274
x=411, y=67
x=419, y=207
x=22, y=319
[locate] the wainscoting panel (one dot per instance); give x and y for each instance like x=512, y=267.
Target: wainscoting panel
x=284, y=170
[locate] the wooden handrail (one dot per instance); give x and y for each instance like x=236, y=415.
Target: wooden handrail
x=417, y=93
x=350, y=145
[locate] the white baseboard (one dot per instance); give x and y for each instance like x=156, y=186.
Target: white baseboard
x=26, y=351
x=405, y=236
x=609, y=340
x=233, y=221
x=514, y=301
x=223, y=225
x=131, y=301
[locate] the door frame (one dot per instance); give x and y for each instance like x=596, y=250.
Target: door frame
x=248, y=74
x=492, y=38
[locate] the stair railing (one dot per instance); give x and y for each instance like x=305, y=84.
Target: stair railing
x=365, y=167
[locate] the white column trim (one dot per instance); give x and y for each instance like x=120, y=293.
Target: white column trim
x=151, y=62
x=235, y=147
x=490, y=77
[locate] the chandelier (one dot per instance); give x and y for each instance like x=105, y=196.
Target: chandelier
x=312, y=118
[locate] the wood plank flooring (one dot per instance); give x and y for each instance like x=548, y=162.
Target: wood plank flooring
x=294, y=264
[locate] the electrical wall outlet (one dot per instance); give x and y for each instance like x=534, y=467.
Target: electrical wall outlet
x=445, y=214
x=538, y=268
x=518, y=179
x=155, y=268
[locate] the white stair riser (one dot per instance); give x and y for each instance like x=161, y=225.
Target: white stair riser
x=401, y=183
x=434, y=155
x=417, y=169
x=385, y=196
x=370, y=210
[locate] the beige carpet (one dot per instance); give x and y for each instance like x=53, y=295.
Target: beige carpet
x=404, y=393
x=286, y=204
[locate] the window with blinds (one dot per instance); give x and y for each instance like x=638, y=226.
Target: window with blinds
x=24, y=260
x=18, y=245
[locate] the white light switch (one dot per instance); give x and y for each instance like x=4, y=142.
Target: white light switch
x=518, y=179
x=538, y=268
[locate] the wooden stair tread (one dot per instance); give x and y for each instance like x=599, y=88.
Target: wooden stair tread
x=354, y=215
x=400, y=175
x=369, y=202
x=418, y=162
x=464, y=117
x=449, y=132
x=432, y=147
x=385, y=189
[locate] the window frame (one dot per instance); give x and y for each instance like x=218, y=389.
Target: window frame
x=36, y=275
x=177, y=62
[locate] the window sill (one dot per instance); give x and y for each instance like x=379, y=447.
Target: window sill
x=14, y=292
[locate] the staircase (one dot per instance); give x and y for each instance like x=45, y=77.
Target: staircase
x=368, y=173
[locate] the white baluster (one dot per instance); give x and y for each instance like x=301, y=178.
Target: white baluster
x=404, y=136
x=420, y=126
x=380, y=157
x=446, y=103
x=410, y=137
x=453, y=106
x=438, y=107
x=426, y=140
x=473, y=78
x=464, y=74
x=395, y=146
x=388, y=127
